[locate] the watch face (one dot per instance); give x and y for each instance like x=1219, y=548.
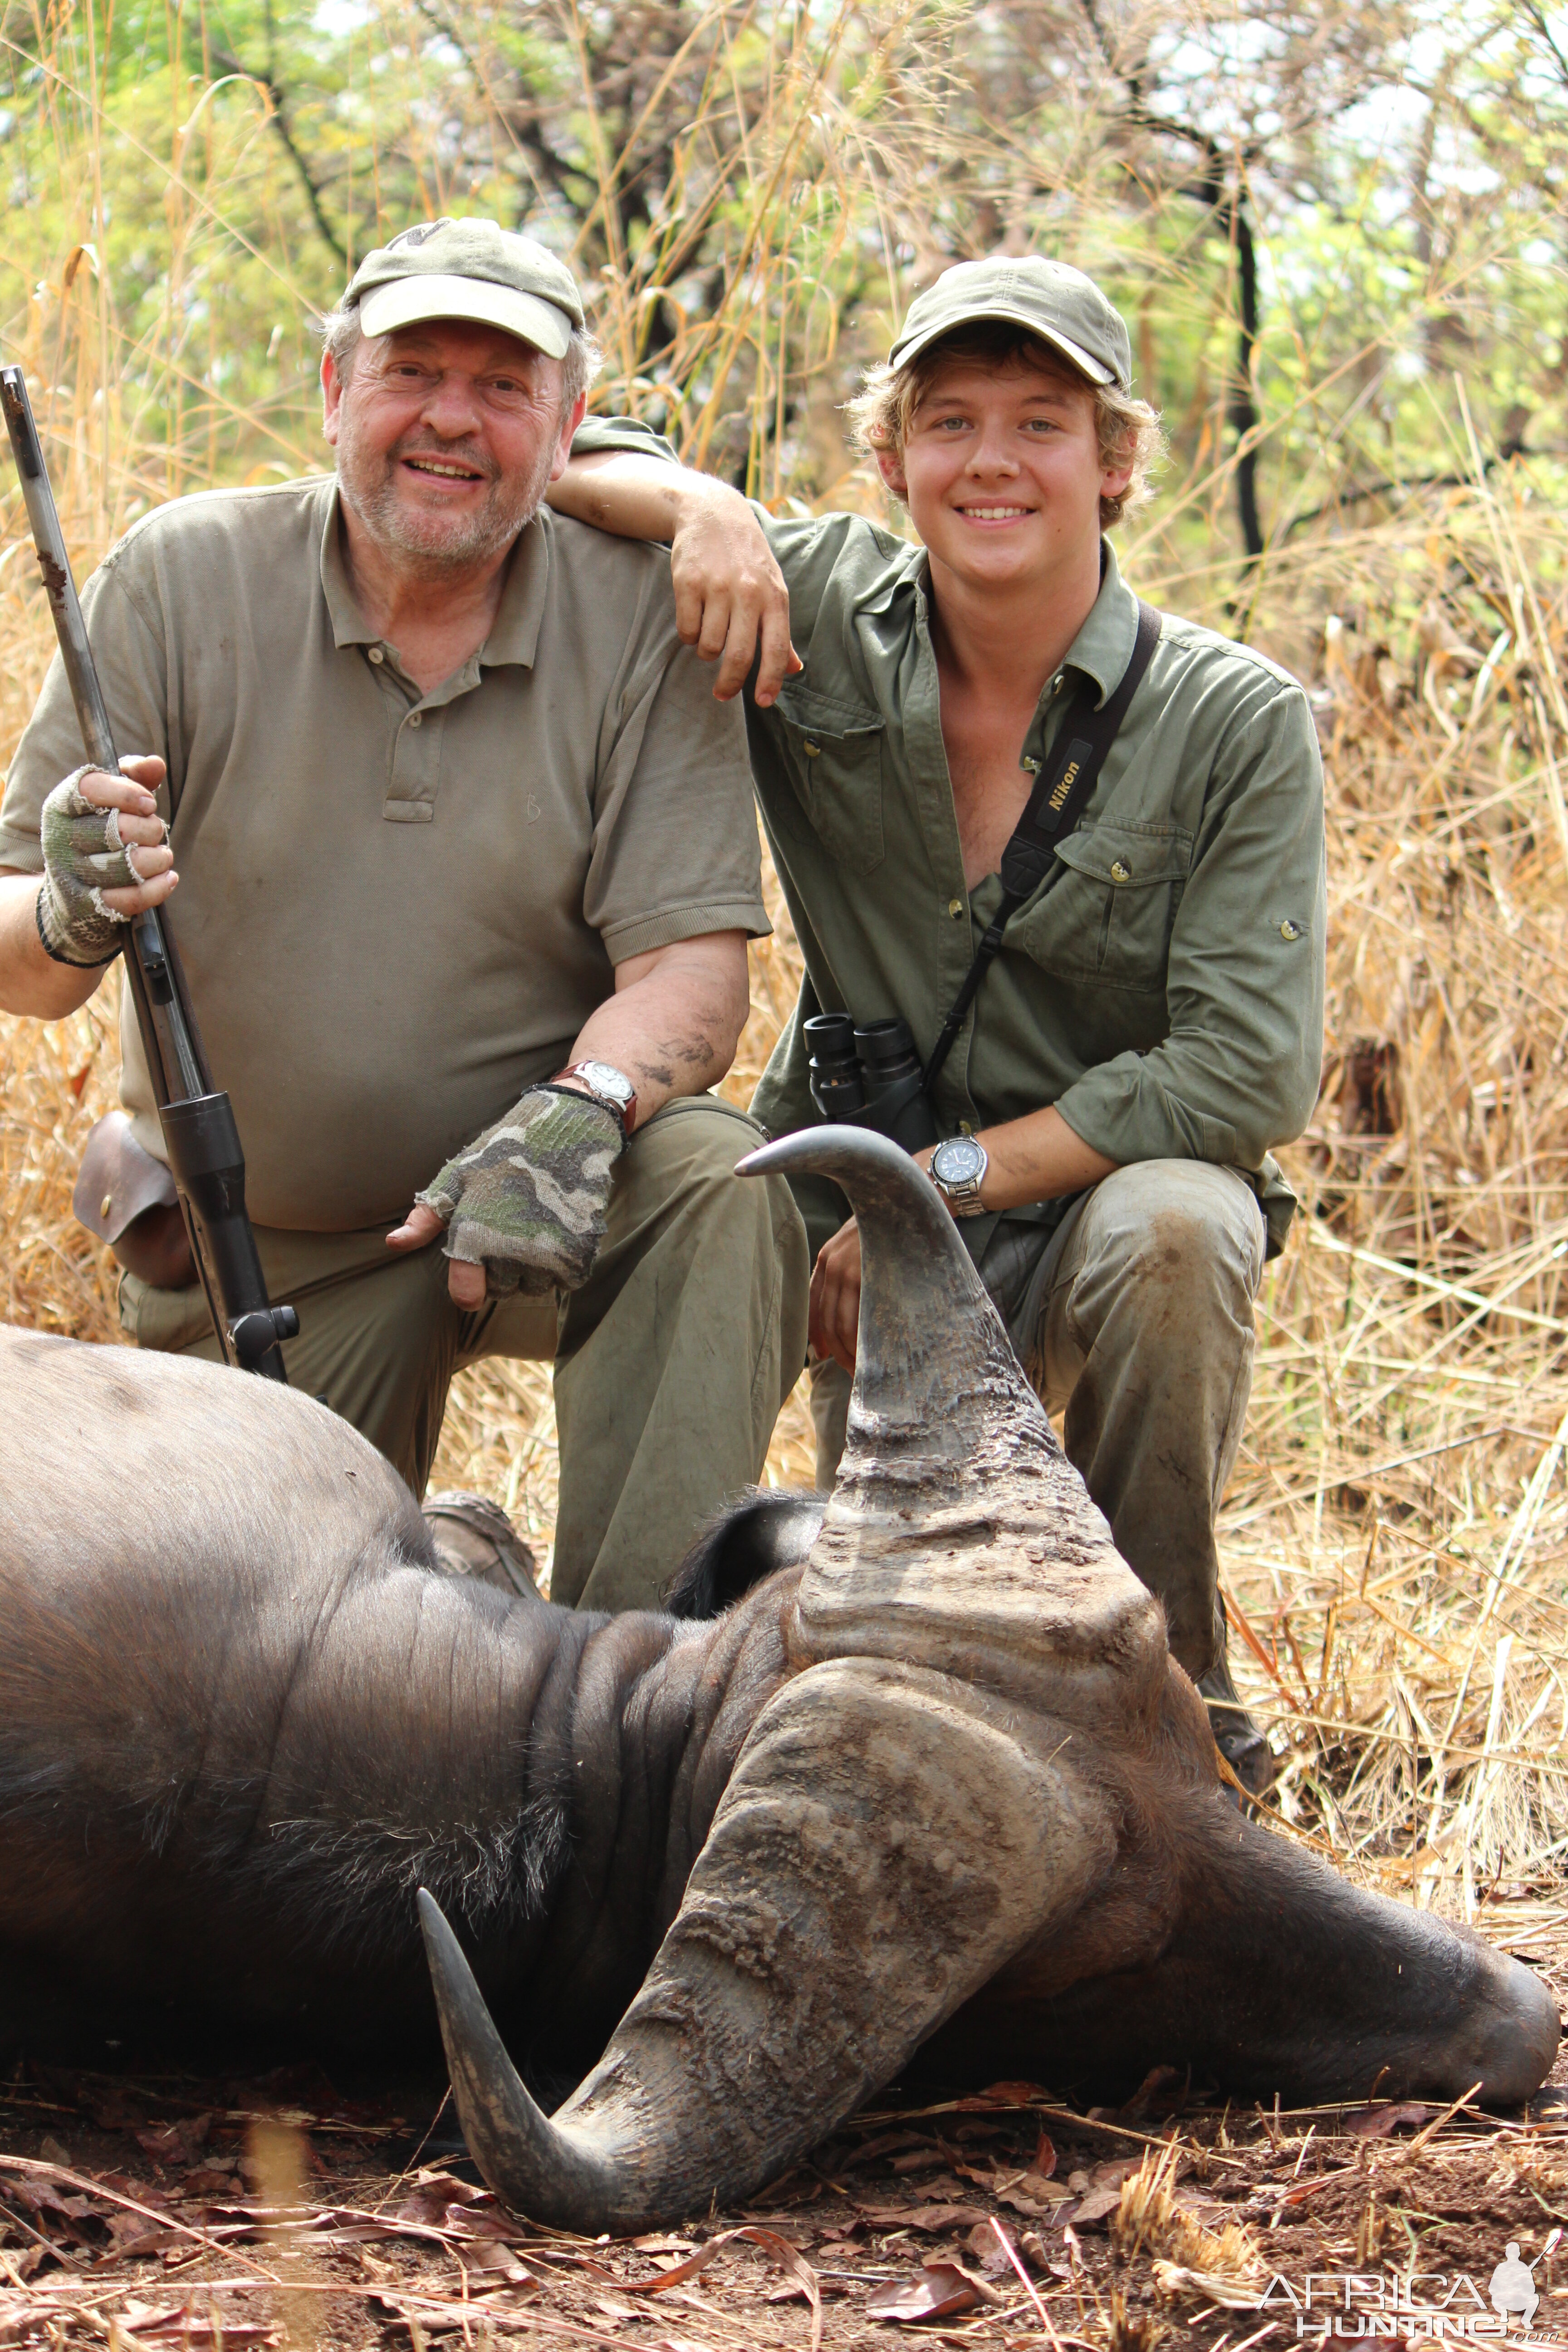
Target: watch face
x=958, y=1160
x=606, y=1079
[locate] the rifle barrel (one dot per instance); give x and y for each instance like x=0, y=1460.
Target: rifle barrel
x=197, y=1122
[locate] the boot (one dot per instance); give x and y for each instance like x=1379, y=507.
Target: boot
x=473, y=1537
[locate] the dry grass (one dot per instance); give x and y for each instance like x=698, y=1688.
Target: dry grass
x=1397, y=1529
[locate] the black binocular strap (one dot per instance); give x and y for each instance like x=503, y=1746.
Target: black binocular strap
x=1061, y=790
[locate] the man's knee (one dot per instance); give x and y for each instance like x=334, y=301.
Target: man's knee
x=1166, y=1236
x=683, y=1163
x=719, y=1241
x=678, y=1191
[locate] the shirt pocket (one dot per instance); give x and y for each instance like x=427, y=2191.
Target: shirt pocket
x=1109, y=913
x=832, y=755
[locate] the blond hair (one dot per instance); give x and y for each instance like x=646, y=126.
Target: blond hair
x=882, y=410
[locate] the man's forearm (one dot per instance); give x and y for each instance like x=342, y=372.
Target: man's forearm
x=30, y=981
x=730, y=601
x=1037, y=1158
x=675, y=1019
x=634, y=497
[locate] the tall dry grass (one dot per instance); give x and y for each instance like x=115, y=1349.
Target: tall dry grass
x=1396, y=1531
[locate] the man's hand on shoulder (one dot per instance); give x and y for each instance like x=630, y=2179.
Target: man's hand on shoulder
x=730, y=601
x=524, y=1206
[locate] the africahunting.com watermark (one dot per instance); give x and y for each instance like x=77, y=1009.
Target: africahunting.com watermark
x=1438, y=2307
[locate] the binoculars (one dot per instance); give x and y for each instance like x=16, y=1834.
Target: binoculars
x=869, y=1076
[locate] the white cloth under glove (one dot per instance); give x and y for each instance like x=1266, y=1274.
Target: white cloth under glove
x=83, y=858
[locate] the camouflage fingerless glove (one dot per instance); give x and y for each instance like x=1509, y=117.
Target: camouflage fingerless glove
x=527, y=1201
x=83, y=858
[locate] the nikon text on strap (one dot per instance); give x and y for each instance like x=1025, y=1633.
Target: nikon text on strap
x=1061, y=791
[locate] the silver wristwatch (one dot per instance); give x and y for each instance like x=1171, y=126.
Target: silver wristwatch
x=958, y=1171
x=604, y=1084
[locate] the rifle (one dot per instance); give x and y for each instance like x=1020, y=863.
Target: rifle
x=200, y=1137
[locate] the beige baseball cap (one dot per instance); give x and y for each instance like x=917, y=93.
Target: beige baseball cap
x=469, y=269
x=1057, y=302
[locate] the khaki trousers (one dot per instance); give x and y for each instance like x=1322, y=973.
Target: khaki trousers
x=671, y=1362
x=1135, y=1314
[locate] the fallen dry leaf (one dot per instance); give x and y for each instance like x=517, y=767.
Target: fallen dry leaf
x=1031, y=2194
x=434, y=2193
x=1152, y=2092
x=1092, y=2210
x=934, y=2219
x=146, y=2320
x=989, y=2248
x=779, y=2250
x=1375, y=2122
x=936, y=2291
x=1006, y=2095
x=1305, y=2189
x=209, y=2181
x=885, y=2144
x=494, y=2265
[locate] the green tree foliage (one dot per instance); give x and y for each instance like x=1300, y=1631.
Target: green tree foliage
x=1317, y=219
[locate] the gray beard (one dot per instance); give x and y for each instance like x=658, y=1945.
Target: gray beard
x=438, y=544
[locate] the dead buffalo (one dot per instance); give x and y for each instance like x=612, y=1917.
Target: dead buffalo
x=942, y=1787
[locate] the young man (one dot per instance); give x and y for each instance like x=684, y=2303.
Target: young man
x=1152, y=1024
x=467, y=864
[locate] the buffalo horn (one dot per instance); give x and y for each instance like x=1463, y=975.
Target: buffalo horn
x=938, y=1389
x=887, y=1841
x=959, y=1535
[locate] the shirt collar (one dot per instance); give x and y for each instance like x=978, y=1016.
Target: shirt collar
x=514, y=636
x=906, y=571
x=1103, y=647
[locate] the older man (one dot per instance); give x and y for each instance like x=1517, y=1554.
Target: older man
x=466, y=863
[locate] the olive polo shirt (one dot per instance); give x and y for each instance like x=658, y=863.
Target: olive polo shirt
x=1163, y=986
x=397, y=909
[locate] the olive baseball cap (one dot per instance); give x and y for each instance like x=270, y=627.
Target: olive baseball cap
x=469, y=269
x=1058, y=303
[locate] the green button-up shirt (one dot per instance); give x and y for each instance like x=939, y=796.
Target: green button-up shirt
x=1163, y=986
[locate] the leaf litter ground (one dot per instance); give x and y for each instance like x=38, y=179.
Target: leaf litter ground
x=281, y=2212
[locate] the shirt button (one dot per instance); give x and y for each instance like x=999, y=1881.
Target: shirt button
x=955, y=908
x=1289, y=930
x=376, y=655
x=1120, y=872
x=813, y=750
x=1031, y=767
x=416, y=718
